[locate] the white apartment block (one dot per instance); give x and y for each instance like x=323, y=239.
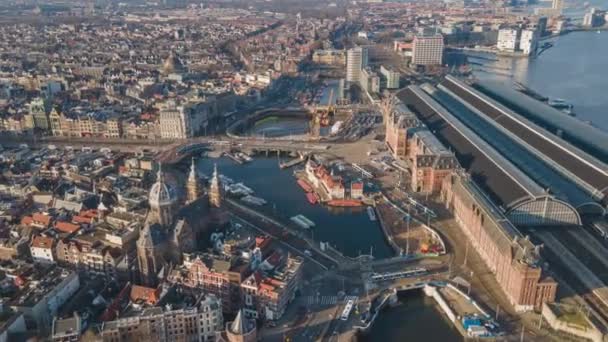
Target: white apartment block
x=528, y=42
x=508, y=40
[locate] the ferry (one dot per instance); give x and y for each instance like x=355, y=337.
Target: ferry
x=344, y=203
x=371, y=213
x=304, y=185
x=312, y=198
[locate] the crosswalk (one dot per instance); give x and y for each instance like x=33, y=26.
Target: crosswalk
x=322, y=300
x=328, y=300
x=353, y=298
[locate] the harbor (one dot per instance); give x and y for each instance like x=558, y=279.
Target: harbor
x=285, y=198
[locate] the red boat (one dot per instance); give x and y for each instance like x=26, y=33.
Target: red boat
x=304, y=185
x=345, y=203
x=312, y=199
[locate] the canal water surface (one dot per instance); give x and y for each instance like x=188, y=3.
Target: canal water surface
x=349, y=230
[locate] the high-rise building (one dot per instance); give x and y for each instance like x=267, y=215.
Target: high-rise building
x=356, y=60
x=369, y=81
x=528, y=42
x=427, y=50
x=391, y=77
x=558, y=4
x=508, y=40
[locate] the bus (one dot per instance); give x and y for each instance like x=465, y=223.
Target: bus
x=347, y=309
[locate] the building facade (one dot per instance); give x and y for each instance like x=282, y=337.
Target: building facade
x=391, y=77
x=512, y=258
x=427, y=50
x=528, y=42
x=201, y=323
x=356, y=60
x=508, y=40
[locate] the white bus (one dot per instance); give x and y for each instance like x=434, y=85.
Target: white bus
x=347, y=309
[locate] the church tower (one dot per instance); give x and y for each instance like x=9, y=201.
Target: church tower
x=192, y=185
x=215, y=193
x=151, y=248
x=162, y=201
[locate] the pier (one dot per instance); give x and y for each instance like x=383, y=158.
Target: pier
x=292, y=162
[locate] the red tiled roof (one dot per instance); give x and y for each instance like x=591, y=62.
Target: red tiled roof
x=42, y=242
x=82, y=219
x=357, y=186
x=66, y=227
x=147, y=294
x=41, y=219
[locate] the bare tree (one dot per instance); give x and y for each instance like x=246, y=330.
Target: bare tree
x=387, y=106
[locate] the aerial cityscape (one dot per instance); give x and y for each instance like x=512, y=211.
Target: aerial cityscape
x=279, y=170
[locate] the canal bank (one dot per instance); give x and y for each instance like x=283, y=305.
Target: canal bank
x=415, y=317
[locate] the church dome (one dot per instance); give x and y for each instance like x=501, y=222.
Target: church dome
x=161, y=193
x=172, y=64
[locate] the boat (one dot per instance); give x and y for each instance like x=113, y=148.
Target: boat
x=345, y=203
x=244, y=157
x=253, y=200
x=371, y=213
x=297, y=220
x=304, y=185
x=306, y=220
x=312, y=199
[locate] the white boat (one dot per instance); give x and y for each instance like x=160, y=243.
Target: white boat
x=306, y=220
x=297, y=220
x=371, y=213
x=253, y=200
x=244, y=157
x=226, y=180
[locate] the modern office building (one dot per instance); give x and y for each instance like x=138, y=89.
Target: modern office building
x=427, y=50
x=508, y=40
x=528, y=42
x=390, y=76
x=558, y=4
x=356, y=60
x=369, y=81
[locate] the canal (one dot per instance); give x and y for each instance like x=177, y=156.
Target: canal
x=349, y=230
x=414, y=318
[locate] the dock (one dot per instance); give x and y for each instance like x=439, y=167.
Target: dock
x=234, y=158
x=291, y=163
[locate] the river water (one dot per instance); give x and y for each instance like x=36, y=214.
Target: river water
x=349, y=230
x=575, y=69
x=415, y=318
